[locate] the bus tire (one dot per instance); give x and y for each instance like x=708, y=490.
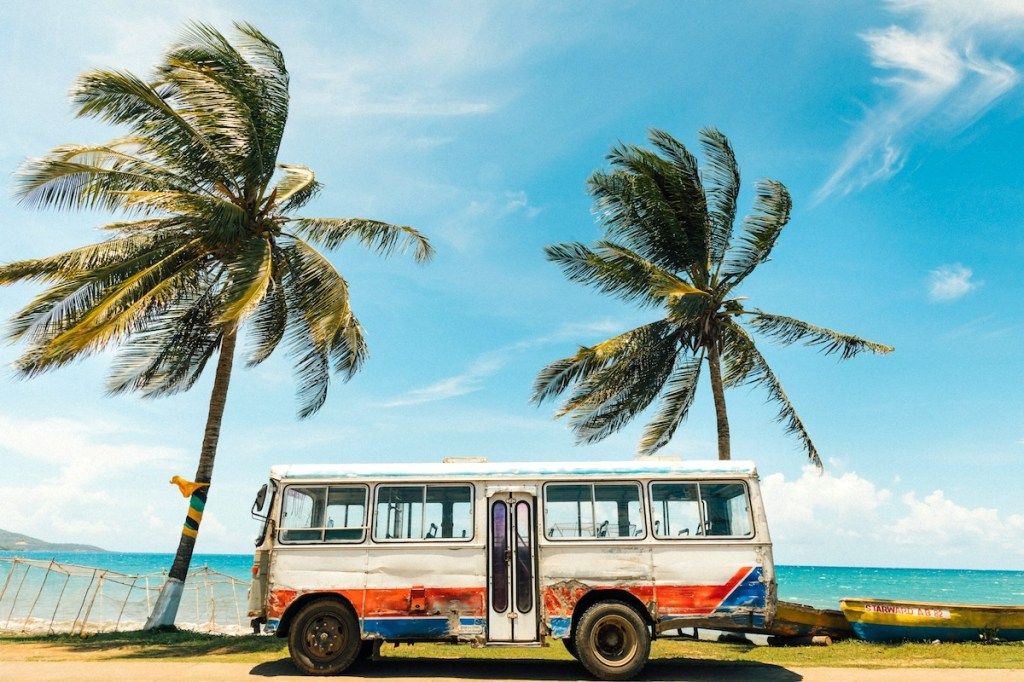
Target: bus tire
x=613, y=641
x=324, y=638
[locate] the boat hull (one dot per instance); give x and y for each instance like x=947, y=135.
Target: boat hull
x=880, y=620
x=798, y=620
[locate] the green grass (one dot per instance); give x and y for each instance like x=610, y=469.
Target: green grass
x=176, y=644
x=180, y=645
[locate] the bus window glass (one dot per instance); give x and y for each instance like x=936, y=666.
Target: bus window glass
x=418, y=512
x=346, y=513
x=727, y=509
x=601, y=510
x=618, y=512
x=499, y=564
x=449, y=512
x=524, y=558
x=303, y=513
x=569, y=510
x=675, y=508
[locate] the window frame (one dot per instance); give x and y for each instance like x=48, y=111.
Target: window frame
x=385, y=540
x=324, y=540
x=641, y=525
x=702, y=510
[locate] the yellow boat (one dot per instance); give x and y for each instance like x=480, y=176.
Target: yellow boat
x=882, y=620
x=800, y=620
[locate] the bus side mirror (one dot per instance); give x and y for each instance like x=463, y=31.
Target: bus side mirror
x=261, y=498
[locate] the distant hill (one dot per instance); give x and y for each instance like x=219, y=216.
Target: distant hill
x=23, y=543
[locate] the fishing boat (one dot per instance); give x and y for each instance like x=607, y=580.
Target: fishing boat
x=800, y=620
x=881, y=620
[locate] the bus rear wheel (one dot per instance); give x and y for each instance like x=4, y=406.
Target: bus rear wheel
x=613, y=641
x=324, y=638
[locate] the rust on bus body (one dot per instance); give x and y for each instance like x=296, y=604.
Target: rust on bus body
x=560, y=598
x=375, y=603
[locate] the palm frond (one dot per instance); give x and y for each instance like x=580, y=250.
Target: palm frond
x=675, y=403
x=312, y=371
x=588, y=360
x=614, y=269
x=122, y=98
x=604, y=401
x=349, y=350
x=757, y=372
x=249, y=275
x=384, y=238
x=268, y=323
x=761, y=229
x=170, y=355
x=788, y=330
x=316, y=292
x=237, y=95
x=76, y=261
x=122, y=310
x=653, y=207
x=295, y=188
x=722, y=187
x=69, y=181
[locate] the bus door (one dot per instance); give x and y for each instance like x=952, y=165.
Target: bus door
x=512, y=611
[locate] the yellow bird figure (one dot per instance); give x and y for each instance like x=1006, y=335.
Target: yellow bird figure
x=187, y=487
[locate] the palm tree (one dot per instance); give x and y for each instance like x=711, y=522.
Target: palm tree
x=210, y=245
x=670, y=244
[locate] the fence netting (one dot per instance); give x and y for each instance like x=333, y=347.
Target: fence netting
x=38, y=596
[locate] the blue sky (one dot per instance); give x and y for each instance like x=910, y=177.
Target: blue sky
x=897, y=128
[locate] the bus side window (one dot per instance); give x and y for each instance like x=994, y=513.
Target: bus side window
x=593, y=510
x=727, y=509
x=346, y=513
x=676, y=510
x=302, y=513
x=423, y=512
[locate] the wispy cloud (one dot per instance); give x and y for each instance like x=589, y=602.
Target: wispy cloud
x=939, y=73
x=950, y=282
x=470, y=381
x=437, y=61
x=492, y=362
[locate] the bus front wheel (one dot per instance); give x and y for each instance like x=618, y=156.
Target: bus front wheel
x=324, y=638
x=613, y=641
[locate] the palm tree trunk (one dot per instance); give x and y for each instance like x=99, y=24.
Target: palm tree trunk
x=166, y=607
x=718, y=391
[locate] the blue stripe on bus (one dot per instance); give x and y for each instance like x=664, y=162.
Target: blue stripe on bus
x=416, y=627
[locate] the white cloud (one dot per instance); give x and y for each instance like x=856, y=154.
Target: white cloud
x=936, y=77
x=63, y=489
x=849, y=520
x=944, y=527
x=950, y=282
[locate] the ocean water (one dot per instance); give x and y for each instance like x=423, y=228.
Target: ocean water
x=820, y=586
x=824, y=586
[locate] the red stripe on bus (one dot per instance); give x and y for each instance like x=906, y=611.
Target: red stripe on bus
x=384, y=602
x=560, y=599
x=696, y=599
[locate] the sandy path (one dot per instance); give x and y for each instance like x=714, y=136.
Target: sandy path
x=409, y=670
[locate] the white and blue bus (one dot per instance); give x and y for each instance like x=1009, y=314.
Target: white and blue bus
x=605, y=556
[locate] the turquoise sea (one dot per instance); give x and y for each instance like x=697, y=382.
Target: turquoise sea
x=820, y=586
